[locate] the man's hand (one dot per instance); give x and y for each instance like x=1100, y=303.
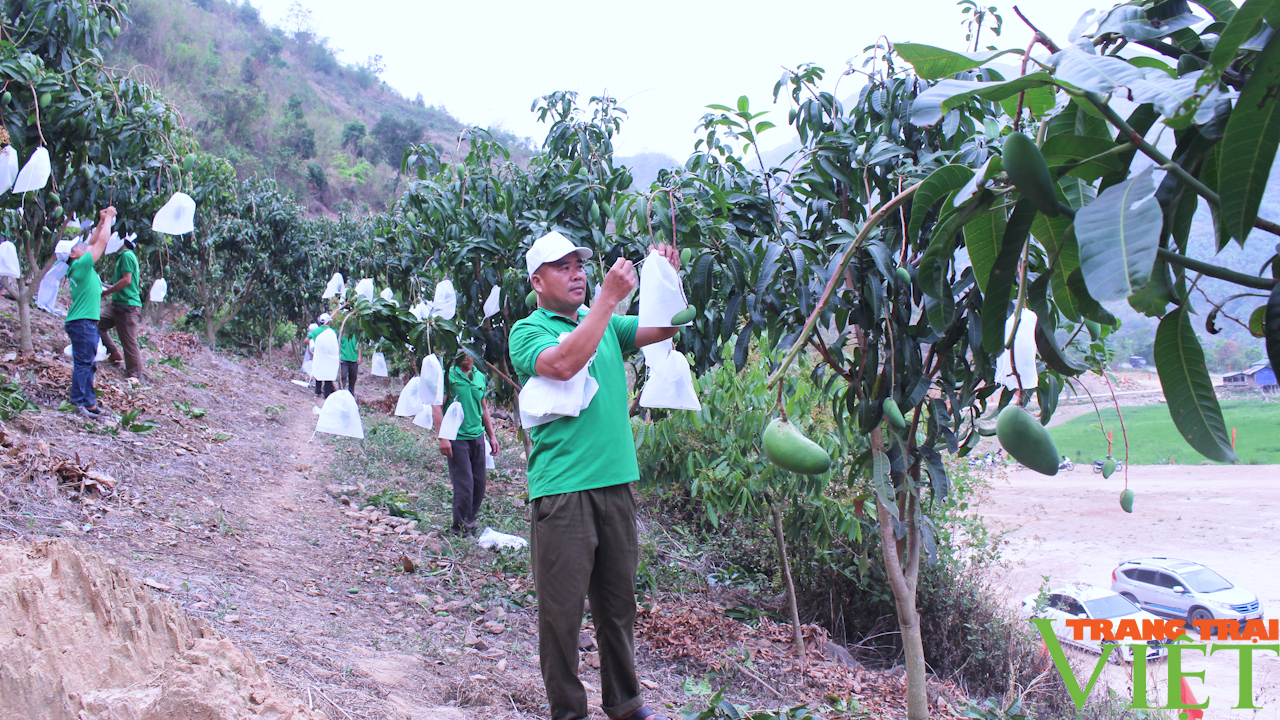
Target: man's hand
x=618, y=282
x=446, y=448
x=669, y=252
x=107, y=215
x=493, y=445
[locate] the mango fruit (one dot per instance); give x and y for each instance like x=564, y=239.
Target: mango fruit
x=1108, y=467
x=893, y=414
x=683, y=316
x=1023, y=437
x=1126, y=500
x=904, y=277
x=1030, y=173
x=685, y=256
x=1095, y=330
x=531, y=299
x=787, y=448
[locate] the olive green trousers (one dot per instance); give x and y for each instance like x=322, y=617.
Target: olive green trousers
x=584, y=544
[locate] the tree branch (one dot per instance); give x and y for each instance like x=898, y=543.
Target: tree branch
x=1213, y=271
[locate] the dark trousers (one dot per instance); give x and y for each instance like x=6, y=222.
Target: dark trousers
x=324, y=387
x=584, y=544
x=467, y=472
x=84, y=348
x=347, y=371
x=124, y=318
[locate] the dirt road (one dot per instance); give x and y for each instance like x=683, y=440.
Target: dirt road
x=1071, y=528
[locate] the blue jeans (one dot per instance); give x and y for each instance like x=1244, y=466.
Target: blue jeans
x=84, y=348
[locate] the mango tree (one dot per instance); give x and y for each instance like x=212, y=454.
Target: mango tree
x=110, y=139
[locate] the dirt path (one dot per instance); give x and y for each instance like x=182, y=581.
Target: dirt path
x=1071, y=528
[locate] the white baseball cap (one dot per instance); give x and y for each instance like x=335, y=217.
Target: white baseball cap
x=549, y=248
x=324, y=318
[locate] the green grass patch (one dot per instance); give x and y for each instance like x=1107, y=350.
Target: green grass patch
x=1154, y=440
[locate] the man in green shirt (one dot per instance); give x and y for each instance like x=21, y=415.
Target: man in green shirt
x=467, y=469
x=124, y=311
x=323, y=388
x=82, y=319
x=582, y=512
x=349, y=361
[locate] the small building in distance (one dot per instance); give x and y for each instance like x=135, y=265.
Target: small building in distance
x=1258, y=375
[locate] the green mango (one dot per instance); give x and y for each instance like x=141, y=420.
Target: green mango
x=45, y=99
x=1030, y=173
x=57, y=212
x=7, y=97
x=531, y=299
x=1023, y=437
x=904, y=277
x=893, y=414
x=595, y=212
x=1126, y=500
x=189, y=162
x=1108, y=467
x=685, y=256
x=790, y=450
x=114, y=31
x=1095, y=330
x=683, y=316
x=54, y=199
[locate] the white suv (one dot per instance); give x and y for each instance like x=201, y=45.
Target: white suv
x=1180, y=588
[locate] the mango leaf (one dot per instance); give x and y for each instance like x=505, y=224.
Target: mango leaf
x=1090, y=309
x=1037, y=100
x=1118, y=235
x=933, y=63
x=1245, y=24
x=940, y=183
x=1252, y=134
x=1133, y=22
x=1272, y=327
x=1094, y=73
x=1223, y=10
x=1046, y=344
x=995, y=302
x=982, y=240
x=1188, y=389
x=929, y=106
x=1056, y=235
x=1066, y=149
x=884, y=485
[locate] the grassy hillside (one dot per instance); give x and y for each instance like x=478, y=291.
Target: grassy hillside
x=280, y=104
x=1154, y=440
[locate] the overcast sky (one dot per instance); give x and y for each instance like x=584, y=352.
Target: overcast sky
x=664, y=60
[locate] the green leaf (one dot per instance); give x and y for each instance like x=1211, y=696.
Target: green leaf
x=1090, y=309
x=1038, y=100
x=1258, y=322
x=1223, y=10
x=940, y=183
x=1118, y=235
x=1133, y=23
x=929, y=106
x=883, y=484
x=1188, y=389
x=1066, y=149
x=1243, y=26
x=1056, y=235
x=933, y=63
x=1095, y=73
x=1272, y=328
x=982, y=240
x=1252, y=134
x=995, y=302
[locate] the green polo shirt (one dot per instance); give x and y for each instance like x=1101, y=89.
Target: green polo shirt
x=86, y=289
x=131, y=294
x=595, y=449
x=311, y=334
x=348, y=349
x=468, y=390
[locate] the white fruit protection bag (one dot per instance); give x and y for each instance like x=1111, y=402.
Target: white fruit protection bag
x=543, y=400
x=177, y=217
x=340, y=416
x=409, y=404
x=47, y=295
x=8, y=168
x=489, y=462
x=365, y=288
x=431, y=389
x=35, y=174
x=9, y=260
x=493, y=303
x=1023, y=355
x=159, y=290
x=670, y=383
x=661, y=293
x=378, y=366
x=335, y=286
x=445, y=303
x=452, y=420
x=324, y=363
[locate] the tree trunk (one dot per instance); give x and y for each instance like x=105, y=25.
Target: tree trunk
x=797, y=637
x=25, y=346
x=902, y=564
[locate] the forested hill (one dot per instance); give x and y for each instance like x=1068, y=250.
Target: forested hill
x=280, y=104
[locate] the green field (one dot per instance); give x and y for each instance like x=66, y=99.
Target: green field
x=1153, y=439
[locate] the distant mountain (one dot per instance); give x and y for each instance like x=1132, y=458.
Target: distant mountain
x=282, y=105
x=645, y=166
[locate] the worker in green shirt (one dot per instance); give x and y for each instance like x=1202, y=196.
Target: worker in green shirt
x=582, y=512
x=323, y=388
x=348, y=361
x=467, y=462
x=82, y=319
x=124, y=311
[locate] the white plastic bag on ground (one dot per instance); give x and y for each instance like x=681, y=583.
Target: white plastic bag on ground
x=35, y=174
x=661, y=293
x=1022, y=358
x=324, y=364
x=431, y=389
x=445, y=303
x=490, y=462
x=491, y=539
x=8, y=168
x=493, y=303
x=365, y=288
x=301, y=383
x=177, y=217
x=409, y=404
x=335, y=286
x=378, y=366
x=453, y=418
x=340, y=416
x=159, y=289
x=99, y=357
x=670, y=383
x=47, y=295
x=9, y=260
